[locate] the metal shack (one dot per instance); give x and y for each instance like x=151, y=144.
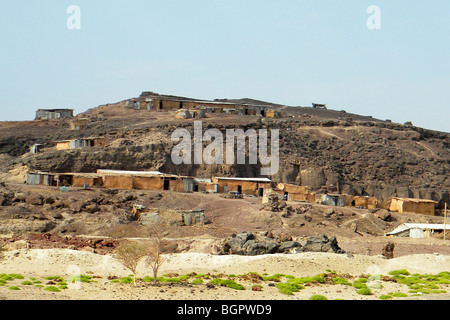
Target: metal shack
x=47, y=114
x=418, y=230
x=40, y=178
x=248, y=186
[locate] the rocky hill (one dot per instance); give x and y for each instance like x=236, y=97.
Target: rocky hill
x=318, y=148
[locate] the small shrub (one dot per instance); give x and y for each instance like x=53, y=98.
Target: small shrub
x=55, y=278
x=197, y=281
x=227, y=283
x=13, y=288
x=400, y=272
x=342, y=281
x=385, y=297
x=79, y=278
x=303, y=280
x=364, y=291
x=288, y=288
x=318, y=297
x=5, y=277
x=173, y=280
x=52, y=289
x=398, y=294
x=126, y=280
x=16, y=276
x=360, y=283
x=26, y=283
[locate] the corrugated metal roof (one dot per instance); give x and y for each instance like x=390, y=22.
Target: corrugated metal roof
x=246, y=179
x=131, y=173
x=422, y=226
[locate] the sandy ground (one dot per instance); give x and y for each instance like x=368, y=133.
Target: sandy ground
x=40, y=263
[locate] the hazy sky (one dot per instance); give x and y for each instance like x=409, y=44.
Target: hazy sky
x=289, y=52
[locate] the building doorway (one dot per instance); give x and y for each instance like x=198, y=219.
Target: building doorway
x=260, y=192
x=166, y=184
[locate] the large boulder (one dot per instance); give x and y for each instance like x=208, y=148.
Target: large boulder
x=321, y=243
x=250, y=244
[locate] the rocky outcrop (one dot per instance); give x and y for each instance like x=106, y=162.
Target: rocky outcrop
x=321, y=243
x=251, y=244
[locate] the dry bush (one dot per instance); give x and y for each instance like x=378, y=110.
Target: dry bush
x=130, y=253
x=156, y=232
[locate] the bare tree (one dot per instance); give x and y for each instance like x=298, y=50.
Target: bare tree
x=130, y=253
x=155, y=259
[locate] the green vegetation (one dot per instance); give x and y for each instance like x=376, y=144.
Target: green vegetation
x=227, y=283
x=415, y=284
x=342, y=281
x=303, y=280
x=364, y=291
x=360, y=283
x=318, y=297
x=126, y=280
x=422, y=284
x=399, y=272
x=79, y=278
x=52, y=289
x=288, y=288
x=398, y=294
x=197, y=281
x=54, y=278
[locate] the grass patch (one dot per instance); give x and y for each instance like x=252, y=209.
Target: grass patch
x=342, y=281
x=52, y=289
x=360, y=283
x=13, y=288
x=398, y=294
x=385, y=297
x=197, y=281
x=401, y=272
x=303, y=280
x=422, y=284
x=79, y=278
x=288, y=288
x=26, y=283
x=55, y=278
x=227, y=283
x=126, y=280
x=318, y=297
x=364, y=291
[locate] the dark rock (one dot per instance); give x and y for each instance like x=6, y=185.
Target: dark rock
x=383, y=214
x=388, y=250
x=328, y=212
x=287, y=246
x=35, y=199
x=321, y=243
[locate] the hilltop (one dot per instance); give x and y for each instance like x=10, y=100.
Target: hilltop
x=326, y=150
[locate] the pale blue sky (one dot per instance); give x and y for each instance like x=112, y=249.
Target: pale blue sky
x=288, y=52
